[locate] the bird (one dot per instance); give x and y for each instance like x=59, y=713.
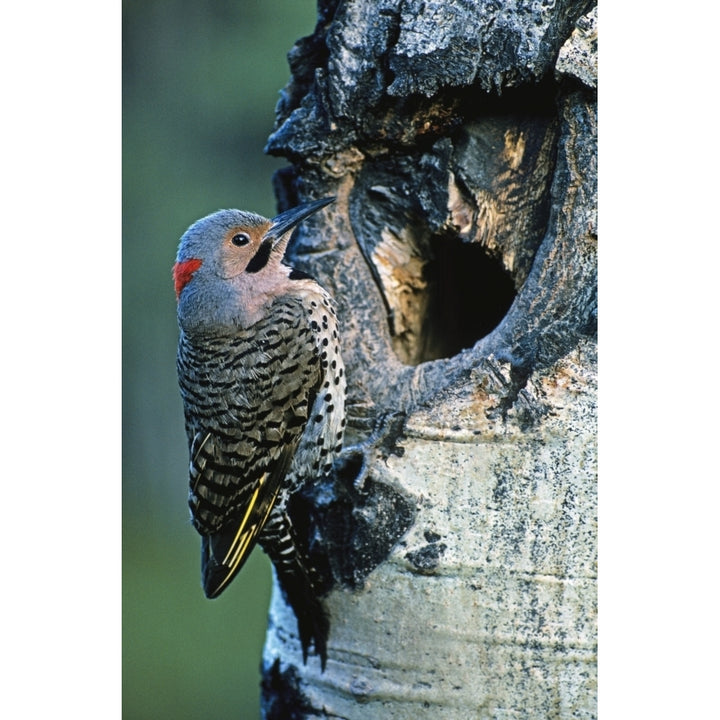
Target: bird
x=263, y=388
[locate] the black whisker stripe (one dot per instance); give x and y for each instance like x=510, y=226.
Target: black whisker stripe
x=261, y=257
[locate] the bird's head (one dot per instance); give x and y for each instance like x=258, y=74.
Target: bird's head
x=230, y=262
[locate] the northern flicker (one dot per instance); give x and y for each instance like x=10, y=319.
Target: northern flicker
x=263, y=388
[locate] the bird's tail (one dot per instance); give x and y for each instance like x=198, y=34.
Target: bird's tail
x=300, y=583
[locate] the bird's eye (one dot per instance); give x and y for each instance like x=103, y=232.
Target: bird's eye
x=240, y=239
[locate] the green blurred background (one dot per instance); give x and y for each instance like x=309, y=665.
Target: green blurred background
x=200, y=83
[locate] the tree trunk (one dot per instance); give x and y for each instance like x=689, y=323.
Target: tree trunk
x=458, y=532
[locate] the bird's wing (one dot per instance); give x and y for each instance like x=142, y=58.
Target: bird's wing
x=225, y=551
x=247, y=402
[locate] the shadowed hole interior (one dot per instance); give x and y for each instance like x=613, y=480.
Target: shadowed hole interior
x=469, y=293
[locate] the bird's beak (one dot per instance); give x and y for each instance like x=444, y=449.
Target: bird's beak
x=287, y=220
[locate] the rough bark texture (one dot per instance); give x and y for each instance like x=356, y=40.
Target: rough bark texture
x=458, y=533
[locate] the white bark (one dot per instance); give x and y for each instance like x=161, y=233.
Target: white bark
x=487, y=607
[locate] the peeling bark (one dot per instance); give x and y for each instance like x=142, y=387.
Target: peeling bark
x=458, y=532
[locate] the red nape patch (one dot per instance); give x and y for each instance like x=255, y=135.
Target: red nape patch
x=183, y=272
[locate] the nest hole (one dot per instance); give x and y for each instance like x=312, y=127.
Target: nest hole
x=466, y=293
